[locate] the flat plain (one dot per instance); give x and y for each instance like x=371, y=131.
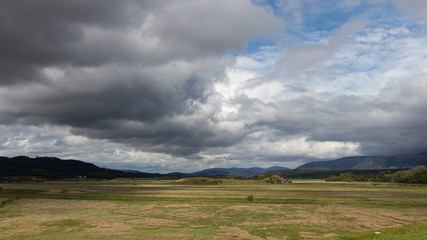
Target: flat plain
x=162, y=209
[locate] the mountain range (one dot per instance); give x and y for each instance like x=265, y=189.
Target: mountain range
x=214, y=172
x=396, y=161
x=55, y=168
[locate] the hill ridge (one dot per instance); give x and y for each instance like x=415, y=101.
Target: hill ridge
x=395, y=161
x=56, y=168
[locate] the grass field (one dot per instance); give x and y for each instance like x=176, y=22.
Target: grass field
x=160, y=209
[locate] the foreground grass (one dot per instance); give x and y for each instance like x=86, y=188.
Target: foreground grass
x=155, y=209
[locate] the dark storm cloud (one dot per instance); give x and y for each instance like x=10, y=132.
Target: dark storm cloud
x=135, y=72
x=34, y=34
x=139, y=111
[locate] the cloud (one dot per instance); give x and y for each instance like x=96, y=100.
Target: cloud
x=416, y=8
x=304, y=57
x=169, y=86
x=376, y=124
x=330, y=94
x=136, y=73
x=96, y=33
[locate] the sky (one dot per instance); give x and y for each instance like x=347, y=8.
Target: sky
x=164, y=86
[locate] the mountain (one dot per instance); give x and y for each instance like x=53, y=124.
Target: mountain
x=424, y=153
x=396, y=161
x=215, y=172
x=223, y=172
x=55, y=168
x=275, y=168
x=345, y=162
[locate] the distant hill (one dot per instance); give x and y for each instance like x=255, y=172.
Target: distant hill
x=224, y=172
x=55, y=168
x=345, y=162
x=397, y=161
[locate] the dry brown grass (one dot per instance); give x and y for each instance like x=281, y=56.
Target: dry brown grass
x=184, y=213
x=227, y=233
x=49, y=205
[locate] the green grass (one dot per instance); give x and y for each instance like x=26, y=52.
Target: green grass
x=160, y=209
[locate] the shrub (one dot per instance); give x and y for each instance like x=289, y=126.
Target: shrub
x=199, y=180
x=250, y=198
x=417, y=175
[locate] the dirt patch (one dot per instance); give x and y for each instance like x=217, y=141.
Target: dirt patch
x=108, y=227
x=351, y=217
x=419, y=215
x=240, y=208
x=275, y=238
x=175, y=235
x=18, y=226
x=328, y=235
x=338, y=217
x=179, y=206
x=157, y=222
x=362, y=219
x=308, y=235
x=260, y=208
x=234, y=233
